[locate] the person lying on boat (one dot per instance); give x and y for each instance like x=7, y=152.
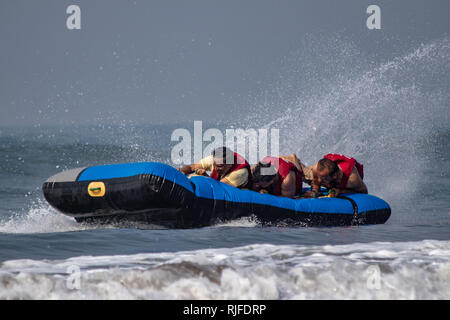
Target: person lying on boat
x=306, y=171
x=278, y=177
x=225, y=165
x=338, y=173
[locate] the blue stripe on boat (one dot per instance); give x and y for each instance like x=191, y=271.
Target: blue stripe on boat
x=212, y=189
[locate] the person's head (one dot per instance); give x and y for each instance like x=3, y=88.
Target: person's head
x=263, y=175
x=327, y=172
x=223, y=160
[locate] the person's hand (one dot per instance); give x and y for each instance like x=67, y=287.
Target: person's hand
x=334, y=192
x=201, y=172
x=310, y=194
x=263, y=191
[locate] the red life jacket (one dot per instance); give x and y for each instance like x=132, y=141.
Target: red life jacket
x=346, y=164
x=239, y=163
x=283, y=168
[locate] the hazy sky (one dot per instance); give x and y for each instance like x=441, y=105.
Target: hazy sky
x=158, y=61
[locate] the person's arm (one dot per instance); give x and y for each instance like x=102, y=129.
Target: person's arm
x=289, y=185
x=309, y=174
x=190, y=168
x=206, y=164
x=315, y=187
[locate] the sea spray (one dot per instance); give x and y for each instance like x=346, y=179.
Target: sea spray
x=331, y=98
x=327, y=98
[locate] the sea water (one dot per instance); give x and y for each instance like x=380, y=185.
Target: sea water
x=393, y=117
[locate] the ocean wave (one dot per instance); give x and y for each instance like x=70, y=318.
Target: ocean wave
x=379, y=270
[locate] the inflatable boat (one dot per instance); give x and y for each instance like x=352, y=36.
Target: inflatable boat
x=159, y=194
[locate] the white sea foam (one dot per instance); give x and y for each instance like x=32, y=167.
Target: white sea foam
x=405, y=270
x=42, y=218
x=39, y=219
x=249, y=222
